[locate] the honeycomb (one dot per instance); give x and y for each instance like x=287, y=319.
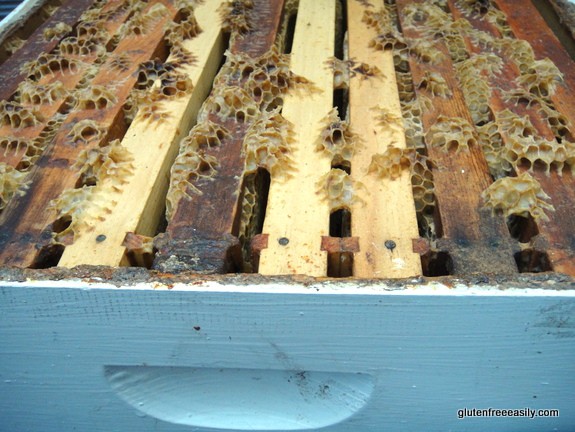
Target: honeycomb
x=57, y=32
x=31, y=93
x=17, y=116
x=401, y=60
x=422, y=183
x=432, y=20
x=157, y=81
x=499, y=20
x=71, y=206
x=103, y=171
x=35, y=147
x=85, y=131
x=265, y=79
x=423, y=194
x=252, y=215
x=12, y=44
x=451, y=133
x=405, y=86
x=340, y=70
x=230, y=102
x=186, y=27
x=491, y=143
x=524, y=145
x=392, y=162
x=155, y=113
x=425, y=51
x=483, y=39
x=412, y=111
x=387, y=119
x=145, y=22
x=429, y=18
x=474, y=7
x=95, y=13
x=152, y=70
x=267, y=144
x=192, y=164
x=50, y=64
x=435, y=84
x=363, y=69
x=557, y=122
x=486, y=62
x=95, y=97
x=205, y=135
x=517, y=50
x=90, y=72
x=475, y=85
x=343, y=69
x=521, y=196
x=338, y=188
x=540, y=77
x=236, y=16
x=12, y=182
x=336, y=139
x=388, y=36
x=13, y=145
x=120, y=62
x=172, y=85
x=72, y=46
x=181, y=56
x=111, y=163
x=379, y=20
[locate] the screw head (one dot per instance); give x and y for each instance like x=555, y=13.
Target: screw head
x=100, y=238
x=283, y=241
x=390, y=244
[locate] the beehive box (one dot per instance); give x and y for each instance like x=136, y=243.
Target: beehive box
x=283, y=215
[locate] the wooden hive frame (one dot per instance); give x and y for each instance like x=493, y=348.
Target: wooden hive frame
x=230, y=150
x=77, y=199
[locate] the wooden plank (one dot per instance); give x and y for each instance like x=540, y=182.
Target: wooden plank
x=556, y=236
x=296, y=219
x=433, y=347
x=385, y=211
x=37, y=43
x=475, y=240
x=544, y=44
x=202, y=230
x=22, y=15
x=27, y=222
x=140, y=202
x=61, y=83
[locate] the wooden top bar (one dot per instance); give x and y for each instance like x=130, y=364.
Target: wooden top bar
x=477, y=241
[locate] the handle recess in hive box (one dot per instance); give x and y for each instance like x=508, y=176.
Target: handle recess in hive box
x=241, y=399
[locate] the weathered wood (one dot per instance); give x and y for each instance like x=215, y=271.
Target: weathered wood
x=296, y=217
x=476, y=240
x=556, y=235
x=24, y=15
x=202, y=233
x=10, y=70
x=432, y=347
x=27, y=222
x=140, y=202
x=544, y=44
x=69, y=79
x=385, y=209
